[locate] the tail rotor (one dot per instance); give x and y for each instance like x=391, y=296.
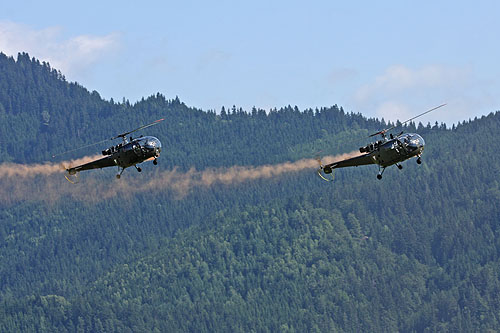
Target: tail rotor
x=324, y=169
x=71, y=175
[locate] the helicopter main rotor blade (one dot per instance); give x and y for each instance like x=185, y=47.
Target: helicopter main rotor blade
x=139, y=128
x=116, y=137
x=404, y=122
x=82, y=147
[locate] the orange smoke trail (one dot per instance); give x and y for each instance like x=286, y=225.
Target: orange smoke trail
x=183, y=183
x=33, y=170
x=39, y=182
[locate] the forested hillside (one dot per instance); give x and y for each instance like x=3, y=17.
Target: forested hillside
x=416, y=251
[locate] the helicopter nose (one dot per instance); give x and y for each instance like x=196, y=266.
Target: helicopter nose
x=155, y=145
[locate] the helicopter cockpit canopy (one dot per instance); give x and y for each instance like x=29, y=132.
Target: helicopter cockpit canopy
x=150, y=144
x=412, y=141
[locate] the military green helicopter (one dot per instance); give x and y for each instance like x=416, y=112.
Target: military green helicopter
x=123, y=155
x=384, y=152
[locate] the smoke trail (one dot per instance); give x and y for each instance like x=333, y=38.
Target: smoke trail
x=35, y=182
x=43, y=182
x=9, y=170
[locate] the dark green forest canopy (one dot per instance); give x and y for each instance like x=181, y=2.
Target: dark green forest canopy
x=417, y=251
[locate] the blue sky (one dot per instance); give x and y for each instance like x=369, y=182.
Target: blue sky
x=391, y=59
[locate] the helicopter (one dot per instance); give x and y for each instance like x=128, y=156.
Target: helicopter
x=125, y=154
x=384, y=152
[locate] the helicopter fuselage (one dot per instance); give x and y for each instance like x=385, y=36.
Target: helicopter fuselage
x=385, y=152
x=125, y=155
x=398, y=149
x=134, y=152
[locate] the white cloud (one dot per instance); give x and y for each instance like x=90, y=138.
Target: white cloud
x=400, y=81
x=72, y=56
x=392, y=110
x=402, y=92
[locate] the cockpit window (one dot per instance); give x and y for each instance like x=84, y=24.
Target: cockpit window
x=153, y=143
x=415, y=140
x=150, y=142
